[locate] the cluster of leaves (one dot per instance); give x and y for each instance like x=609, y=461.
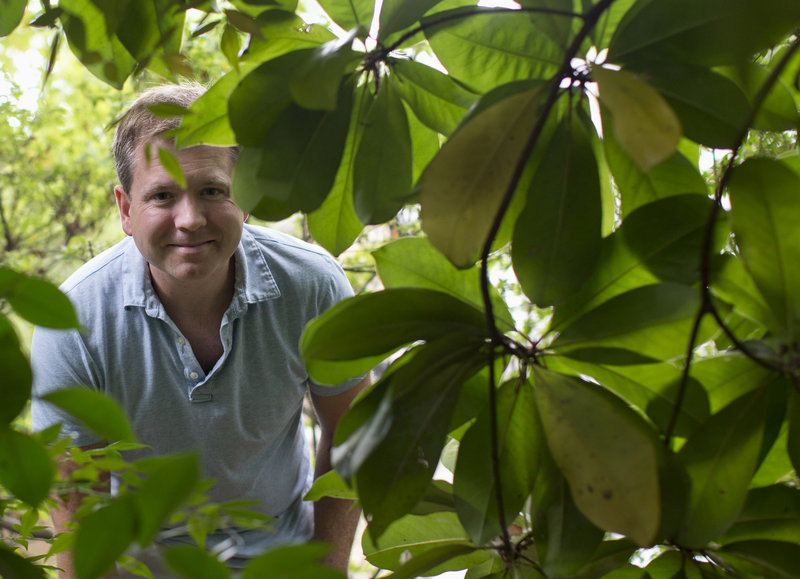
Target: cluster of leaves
x=657, y=408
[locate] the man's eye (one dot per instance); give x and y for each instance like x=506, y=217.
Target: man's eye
x=212, y=191
x=160, y=196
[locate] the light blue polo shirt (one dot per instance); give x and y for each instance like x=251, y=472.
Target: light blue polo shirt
x=245, y=416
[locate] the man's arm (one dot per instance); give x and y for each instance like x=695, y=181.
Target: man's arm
x=66, y=506
x=335, y=520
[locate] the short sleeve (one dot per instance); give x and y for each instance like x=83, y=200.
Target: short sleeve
x=60, y=359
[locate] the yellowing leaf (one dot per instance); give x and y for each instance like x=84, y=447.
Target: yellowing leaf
x=645, y=125
x=608, y=454
x=462, y=188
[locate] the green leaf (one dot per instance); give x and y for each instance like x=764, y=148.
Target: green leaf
x=707, y=33
x=769, y=513
x=316, y=83
x=660, y=241
x=765, y=208
x=396, y=475
x=490, y=47
x=610, y=555
x=558, y=27
x=557, y=236
x=207, y=120
x=674, y=176
x=11, y=12
x=644, y=124
x=36, y=300
x=15, y=387
x=194, y=562
x=377, y=324
x=291, y=562
x=721, y=457
x=335, y=225
x=97, y=411
x=261, y=96
x=413, y=262
x=413, y=536
x=283, y=32
x=382, y=168
x=436, y=99
x=463, y=187
x=711, y=108
x=96, y=549
x=778, y=112
x=609, y=455
x=298, y=158
x=172, y=166
x=26, y=469
x=474, y=485
x=350, y=14
x=399, y=14
x=731, y=282
x=652, y=388
x=14, y=566
x=169, y=481
x=793, y=442
x=330, y=484
x=653, y=321
x=230, y=44
x=773, y=559
x=441, y=558
x=93, y=40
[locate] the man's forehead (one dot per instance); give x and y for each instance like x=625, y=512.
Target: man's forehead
x=201, y=163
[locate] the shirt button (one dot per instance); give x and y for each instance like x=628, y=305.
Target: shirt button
x=193, y=375
x=181, y=340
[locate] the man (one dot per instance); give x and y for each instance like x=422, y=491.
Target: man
x=193, y=323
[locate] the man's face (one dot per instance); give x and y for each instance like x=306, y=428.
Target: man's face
x=185, y=234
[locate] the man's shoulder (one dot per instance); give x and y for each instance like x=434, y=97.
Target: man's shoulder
x=103, y=269
x=278, y=244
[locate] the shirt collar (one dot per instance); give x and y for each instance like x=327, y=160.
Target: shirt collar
x=254, y=281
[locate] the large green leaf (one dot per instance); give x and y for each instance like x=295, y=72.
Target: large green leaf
x=372, y=326
x=556, y=237
x=659, y=241
x=414, y=536
x=779, y=111
x=335, y=225
x=91, y=35
x=773, y=559
x=15, y=566
x=729, y=376
x=731, y=282
x=11, y=12
x=652, y=388
x=436, y=99
x=350, y=13
x=765, y=209
x=207, y=121
x=770, y=513
x=644, y=124
x=192, y=562
x=396, y=475
x=261, y=96
x=463, y=187
x=653, y=321
x=281, y=32
x=399, y=14
x=609, y=455
x=96, y=410
x=298, y=158
x=26, y=469
x=712, y=109
x=383, y=165
x=710, y=33
x=793, y=442
x=490, y=47
x=674, y=176
x=517, y=447
x=316, y=83
x=169, y=481
x=414, y=262
x=15, y=387
x=96, y=548
x=721, y=457
x=37, y=301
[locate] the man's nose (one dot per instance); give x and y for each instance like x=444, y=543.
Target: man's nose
x=189, y=214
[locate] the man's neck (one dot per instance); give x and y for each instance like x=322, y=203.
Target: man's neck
x=197, y=300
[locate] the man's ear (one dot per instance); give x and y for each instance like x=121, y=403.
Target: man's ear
x=124, y=206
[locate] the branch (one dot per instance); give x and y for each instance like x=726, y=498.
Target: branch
x=706, y=248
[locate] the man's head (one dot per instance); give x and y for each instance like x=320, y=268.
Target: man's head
x=139, y=125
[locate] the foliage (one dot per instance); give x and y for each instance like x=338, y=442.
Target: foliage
x=654, y=408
